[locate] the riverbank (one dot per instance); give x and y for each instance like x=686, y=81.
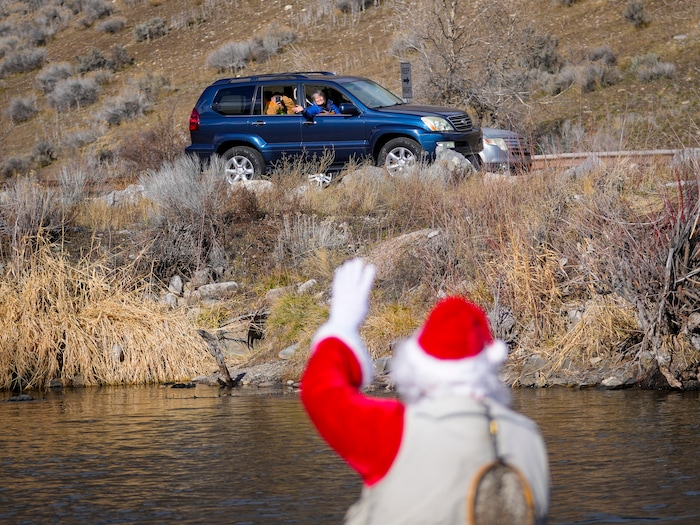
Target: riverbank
x=588, y=274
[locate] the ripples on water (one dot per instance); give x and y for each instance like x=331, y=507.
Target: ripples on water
x=158, y=456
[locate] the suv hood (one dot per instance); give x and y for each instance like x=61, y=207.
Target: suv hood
x=422, y=111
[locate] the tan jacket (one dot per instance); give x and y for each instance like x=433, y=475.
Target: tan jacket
x=445, y=443
x=285, y=108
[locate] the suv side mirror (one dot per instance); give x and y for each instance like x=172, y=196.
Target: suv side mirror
x=348, y=109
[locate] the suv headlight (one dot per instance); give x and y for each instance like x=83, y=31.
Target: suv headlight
x=437, y=124
x=499, y=143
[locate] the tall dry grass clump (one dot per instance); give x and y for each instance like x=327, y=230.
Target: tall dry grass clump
x=87, y=324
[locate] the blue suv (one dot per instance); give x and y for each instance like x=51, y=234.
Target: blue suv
x=231, y=119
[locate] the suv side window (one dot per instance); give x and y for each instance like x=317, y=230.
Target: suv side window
x=331, y=94
x=234, y=100
x=270, y=91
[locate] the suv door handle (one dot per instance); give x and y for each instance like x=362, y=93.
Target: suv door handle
x=259, y=123
x=309, y=123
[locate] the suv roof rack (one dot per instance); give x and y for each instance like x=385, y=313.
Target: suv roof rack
x=281, y=76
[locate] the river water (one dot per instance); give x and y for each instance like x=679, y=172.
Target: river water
x=156, y=455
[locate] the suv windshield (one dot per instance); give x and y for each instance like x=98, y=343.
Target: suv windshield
x=372, y=94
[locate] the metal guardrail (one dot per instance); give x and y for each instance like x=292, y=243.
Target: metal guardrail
x=643, y=156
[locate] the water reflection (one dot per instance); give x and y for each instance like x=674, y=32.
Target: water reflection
x=156, y=455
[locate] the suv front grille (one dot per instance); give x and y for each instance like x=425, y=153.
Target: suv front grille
x=461, y=122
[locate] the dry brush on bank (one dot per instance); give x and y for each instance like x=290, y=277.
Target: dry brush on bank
x=585, y=268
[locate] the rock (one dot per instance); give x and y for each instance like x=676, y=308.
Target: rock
x=531, y=374
x=612, y=383
x=381, y=365
x=169, y=299
x=21, y=397
x=215, y=290
x=288, y=352
x=176, y=285
x=200, y=278
x=307, y=287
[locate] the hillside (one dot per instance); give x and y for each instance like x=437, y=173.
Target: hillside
x=627, y=112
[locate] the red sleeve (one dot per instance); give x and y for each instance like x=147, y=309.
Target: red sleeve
x=365, y=431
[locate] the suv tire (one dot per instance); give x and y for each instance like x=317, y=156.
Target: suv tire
x=399, y=153
x=242, y=163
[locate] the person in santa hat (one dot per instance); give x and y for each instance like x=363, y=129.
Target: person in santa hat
x=449, y=451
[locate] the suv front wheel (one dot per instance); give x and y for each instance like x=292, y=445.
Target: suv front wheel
x=243, y=163
x=398, y=154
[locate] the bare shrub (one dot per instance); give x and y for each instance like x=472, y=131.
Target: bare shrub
x=149, y=149
x=232, y=56
x=92, y=60
x=474, y=56
x=77, y=139
x=95, y=10
x=73, y=92
x=14, y=166
x=190, y=222
x=44, y=152
x=649, y=67
x=636, y=14
x=125, y=106
x=119, y=58
x=352, y=6
x=150, y=84
x=303, y=235
x=154, y=28
x=274, y=38
x=49, y=76
x=22, y=109
x=36, y=34
x=603, y=54
x=26, y=210
x=112, y=25
x=22, y=61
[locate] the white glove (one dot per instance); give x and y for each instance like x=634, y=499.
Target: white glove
x=352, y=284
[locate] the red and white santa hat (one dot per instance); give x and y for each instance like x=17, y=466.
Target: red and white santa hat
x=453, y=353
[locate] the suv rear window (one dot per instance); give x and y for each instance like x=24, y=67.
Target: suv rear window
x=234, y=100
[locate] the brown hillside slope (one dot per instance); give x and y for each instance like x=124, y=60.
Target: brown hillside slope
x=663, y=113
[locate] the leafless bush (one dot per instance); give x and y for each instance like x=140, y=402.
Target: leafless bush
x=95, y=10
x=72, y=186
x=232, y=56
x=603, y=54
x=154, y=28
x=22, y=61
x=77, y=139
x=49, y=76
x=149, y=84
x=352, y=6
x=112, y=25
x=636, y=14
x=302, y=235
x=150, y=149
x=44, y=152
x=274, y=38
x=92, y=60
x=73, y=92
x=190, y=220
x=119, y=58
x=26, y=210
x=125, y=106
x=36, y=34
x=649, y=67
x=8, y=44
x=22, y=109
x=14, y=166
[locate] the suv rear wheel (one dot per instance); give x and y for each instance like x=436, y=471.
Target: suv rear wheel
x=399, y=153
x=243, y=163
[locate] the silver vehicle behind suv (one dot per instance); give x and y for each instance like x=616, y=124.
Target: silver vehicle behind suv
x=505, y=151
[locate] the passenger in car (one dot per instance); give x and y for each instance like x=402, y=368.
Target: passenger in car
x=321, y=106
x=280, y=105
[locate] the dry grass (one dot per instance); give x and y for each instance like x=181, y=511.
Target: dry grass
x=88, y=324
